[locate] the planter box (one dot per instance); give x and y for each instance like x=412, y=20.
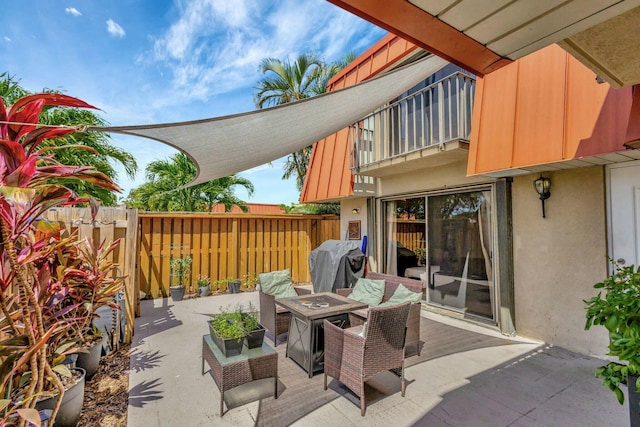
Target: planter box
x=228, y=346
x=255, y=337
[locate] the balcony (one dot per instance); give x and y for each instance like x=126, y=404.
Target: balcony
x=428, y=128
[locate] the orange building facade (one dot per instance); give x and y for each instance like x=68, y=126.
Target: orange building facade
x=460, y=211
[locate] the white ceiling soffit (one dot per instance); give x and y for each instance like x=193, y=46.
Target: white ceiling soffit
x=223, y=146
x=516, y=28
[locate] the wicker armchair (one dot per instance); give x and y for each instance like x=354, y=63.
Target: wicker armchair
x=353, y=359
x=412, y=344
x=274, y=318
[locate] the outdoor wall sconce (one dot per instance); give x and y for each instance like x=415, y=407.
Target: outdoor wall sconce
x=355, y=211
x=542, y=186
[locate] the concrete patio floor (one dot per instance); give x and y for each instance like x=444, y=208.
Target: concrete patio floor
x=507, y=382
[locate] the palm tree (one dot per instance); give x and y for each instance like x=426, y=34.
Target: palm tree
x=285, y=82
x=102, y=155
x=163, y=192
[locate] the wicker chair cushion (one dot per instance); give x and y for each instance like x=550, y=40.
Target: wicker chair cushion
x=277, y=283
x=402, y=294
x=368, y=291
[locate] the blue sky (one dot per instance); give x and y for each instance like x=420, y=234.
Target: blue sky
x=158, y=61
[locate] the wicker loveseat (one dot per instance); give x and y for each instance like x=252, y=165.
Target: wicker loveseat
x=412, y=343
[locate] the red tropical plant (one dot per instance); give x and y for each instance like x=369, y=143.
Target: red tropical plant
x=35, y=276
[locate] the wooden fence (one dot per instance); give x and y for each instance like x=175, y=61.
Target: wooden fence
x=228, y=245
x=110, y=224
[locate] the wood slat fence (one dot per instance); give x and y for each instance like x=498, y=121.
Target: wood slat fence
x=228, y=245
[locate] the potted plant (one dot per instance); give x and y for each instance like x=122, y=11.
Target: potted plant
x=233, y=328
x=232, y=285
x=91, y=287
x=227, y=331
x=35, y=330
x=254, y=330
x=180, y=270
x=203, y=283
x=249, y=281
x=618, y=310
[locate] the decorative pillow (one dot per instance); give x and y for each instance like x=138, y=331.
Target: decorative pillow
x=368, y=291
x=277, y=283
x=402, y=294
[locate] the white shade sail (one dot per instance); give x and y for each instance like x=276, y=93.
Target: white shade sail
x=226, y=145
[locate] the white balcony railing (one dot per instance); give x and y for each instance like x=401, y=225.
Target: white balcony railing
x=437, y=114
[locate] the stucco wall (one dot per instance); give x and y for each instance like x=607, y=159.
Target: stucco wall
x=346, y=215
x=429, y=179
x=558, y=259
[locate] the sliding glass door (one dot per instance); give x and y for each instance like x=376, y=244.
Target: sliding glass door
x=445, y=240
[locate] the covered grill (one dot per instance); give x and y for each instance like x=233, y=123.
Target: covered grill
x=336, y=264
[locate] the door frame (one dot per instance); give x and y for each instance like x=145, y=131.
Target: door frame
x=609, y=207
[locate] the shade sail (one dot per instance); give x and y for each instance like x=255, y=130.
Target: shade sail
x=226, y=145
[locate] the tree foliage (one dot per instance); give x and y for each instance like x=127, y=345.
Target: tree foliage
x=284, y=82
x=103, y=156
x=163, y=190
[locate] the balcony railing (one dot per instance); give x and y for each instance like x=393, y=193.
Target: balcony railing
x=437, y=114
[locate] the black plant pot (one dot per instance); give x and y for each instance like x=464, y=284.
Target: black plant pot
x=71, y=407
x=90, y=360
x=228, y=346
x=255, y=337
x=634, y=401
x=177, y=292
x=234, y=287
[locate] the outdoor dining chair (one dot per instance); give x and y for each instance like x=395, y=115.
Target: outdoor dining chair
x=355, y=355
x=274, y=318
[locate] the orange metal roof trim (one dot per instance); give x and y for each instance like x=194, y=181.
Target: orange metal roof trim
x=329, y=174
x=426, y=31
x=544, y=108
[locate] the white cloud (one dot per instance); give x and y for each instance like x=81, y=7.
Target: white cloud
x=114, y=29
x=72, y=11
x=7, y=39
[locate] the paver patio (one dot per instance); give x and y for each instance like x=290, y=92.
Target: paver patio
x=465, y=376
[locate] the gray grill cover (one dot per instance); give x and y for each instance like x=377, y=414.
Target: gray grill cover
x=336, y=264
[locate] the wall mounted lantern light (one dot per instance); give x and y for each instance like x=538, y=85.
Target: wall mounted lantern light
x=542, y=186
x=355, y=211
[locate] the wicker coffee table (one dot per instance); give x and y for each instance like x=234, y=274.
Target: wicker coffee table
x=250, y=365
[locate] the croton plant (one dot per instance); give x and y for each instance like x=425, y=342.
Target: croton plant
x=50, y=285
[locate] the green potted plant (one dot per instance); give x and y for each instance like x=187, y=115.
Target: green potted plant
x=227, y=330
x=35, y=329
x=233, y=328
x=180, y=271
x=203, y=283
x=254, y=330
x=230, y=283
x=618, y=310
x=233, y=285
x=249, y=281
